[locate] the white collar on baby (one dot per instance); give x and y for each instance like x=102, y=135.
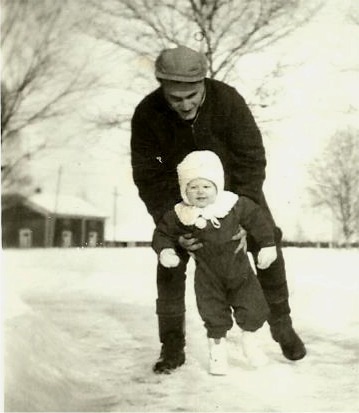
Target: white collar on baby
x=191, y=215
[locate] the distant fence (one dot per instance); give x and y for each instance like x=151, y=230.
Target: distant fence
x=112, y=244
x=304, y=244
x=318, y=244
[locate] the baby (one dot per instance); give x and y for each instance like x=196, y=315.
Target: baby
x=226, y=286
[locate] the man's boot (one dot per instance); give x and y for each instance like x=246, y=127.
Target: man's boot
x=172, y=336
x=283, y=333
x=275, y=288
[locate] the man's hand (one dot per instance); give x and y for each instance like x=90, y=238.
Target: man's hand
x=266, y=256
x=242, y=237
x=189, y=243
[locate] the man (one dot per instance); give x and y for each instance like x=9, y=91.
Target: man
x=191, y=112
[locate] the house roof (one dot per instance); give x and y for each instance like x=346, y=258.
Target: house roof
x=62, y=205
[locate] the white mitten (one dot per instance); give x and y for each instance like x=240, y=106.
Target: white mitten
x=169, y=258
x=266, y=256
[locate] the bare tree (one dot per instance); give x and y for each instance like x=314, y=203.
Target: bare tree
x=38, y=82
x=335, y=181
x=225, y=30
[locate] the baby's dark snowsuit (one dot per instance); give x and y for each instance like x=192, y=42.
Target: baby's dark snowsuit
x=224, y=281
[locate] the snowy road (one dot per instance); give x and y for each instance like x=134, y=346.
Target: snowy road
x=81, y=335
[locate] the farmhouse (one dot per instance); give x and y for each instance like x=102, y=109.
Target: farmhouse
x=46, y=220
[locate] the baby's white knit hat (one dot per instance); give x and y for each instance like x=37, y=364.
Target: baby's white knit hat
x=200, y=164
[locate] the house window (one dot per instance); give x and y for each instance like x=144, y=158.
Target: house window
x=25, y=238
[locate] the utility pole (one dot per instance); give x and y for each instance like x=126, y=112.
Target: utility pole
x=115, y=196
x=57, y=193
x=59, y=173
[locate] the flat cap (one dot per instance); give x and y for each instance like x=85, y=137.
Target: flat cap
x=181, y=64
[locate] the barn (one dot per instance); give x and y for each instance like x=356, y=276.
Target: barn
x=46, y=220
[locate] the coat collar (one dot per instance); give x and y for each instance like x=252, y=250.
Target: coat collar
x=191, y=215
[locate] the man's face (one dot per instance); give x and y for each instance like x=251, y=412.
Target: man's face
x=184, y=98
x=201, y=192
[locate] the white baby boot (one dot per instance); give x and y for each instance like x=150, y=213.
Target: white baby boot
x=252, y=351
x=218, y=356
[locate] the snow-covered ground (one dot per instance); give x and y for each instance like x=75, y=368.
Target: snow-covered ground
x=81, y=335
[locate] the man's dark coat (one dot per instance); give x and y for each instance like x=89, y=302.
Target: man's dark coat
x=224, y=125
